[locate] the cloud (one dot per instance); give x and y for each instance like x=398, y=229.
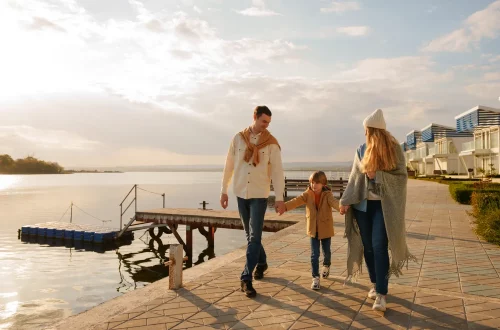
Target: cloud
x=341, y=7
x=40, y=23
x=481, y=25
x=406, y=72
x=484, y=90
x=492, y=76
x=197, y=9
x=184, y=90
x=142, y=60
x=244, y=50
x=432, y=9
x=405, y=87
x=464, y=67
x=354, y=31
x=258, y=10
x=44, y=139
x=495, y=59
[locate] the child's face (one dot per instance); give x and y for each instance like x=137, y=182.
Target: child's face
x=316, y=186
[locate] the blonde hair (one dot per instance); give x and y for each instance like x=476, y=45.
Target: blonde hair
x=318, y=177
x=380, y=154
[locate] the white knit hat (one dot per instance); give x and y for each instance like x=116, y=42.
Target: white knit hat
x=375, y=120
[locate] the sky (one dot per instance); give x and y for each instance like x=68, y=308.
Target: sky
x=164, y=82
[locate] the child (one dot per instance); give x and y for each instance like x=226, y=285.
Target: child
x=319, y=201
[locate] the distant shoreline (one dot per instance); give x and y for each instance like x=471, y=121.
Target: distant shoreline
x=62, y=173
x=89, y=171
x=211, y=170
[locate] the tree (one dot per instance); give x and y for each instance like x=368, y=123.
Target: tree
x=28, y=165
x=6, y=163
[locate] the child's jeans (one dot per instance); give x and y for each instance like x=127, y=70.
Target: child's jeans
x=327, y=254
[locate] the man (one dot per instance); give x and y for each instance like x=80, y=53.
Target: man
x=254, y=158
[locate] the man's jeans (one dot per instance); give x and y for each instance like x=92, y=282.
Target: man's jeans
x=252, y=216
x=372, y=229
x=327, y=254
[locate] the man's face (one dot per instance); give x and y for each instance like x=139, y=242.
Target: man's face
x=262, y=122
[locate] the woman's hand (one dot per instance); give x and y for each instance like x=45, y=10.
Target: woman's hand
x=343, y=209
x=371, y=174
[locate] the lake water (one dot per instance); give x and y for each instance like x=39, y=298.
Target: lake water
x=44, y=281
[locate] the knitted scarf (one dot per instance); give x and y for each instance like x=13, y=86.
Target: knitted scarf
x=252, y=150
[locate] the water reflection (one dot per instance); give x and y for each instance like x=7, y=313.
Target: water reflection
x=144, y=265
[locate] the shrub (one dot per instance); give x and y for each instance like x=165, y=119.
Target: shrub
x=488, y=226
x=486, y=211
x=484, y=201
x=461, y=192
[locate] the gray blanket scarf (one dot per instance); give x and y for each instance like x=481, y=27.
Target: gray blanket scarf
x=391, y=187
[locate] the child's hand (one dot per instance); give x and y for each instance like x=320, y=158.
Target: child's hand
x=343, y=209
x=371, y=174
x=282, y=209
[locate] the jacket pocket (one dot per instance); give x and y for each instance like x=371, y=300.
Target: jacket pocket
x=264, y=155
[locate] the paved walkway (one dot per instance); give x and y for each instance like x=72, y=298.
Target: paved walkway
x=455, y=285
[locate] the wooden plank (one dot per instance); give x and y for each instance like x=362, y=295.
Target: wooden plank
x=215, y=218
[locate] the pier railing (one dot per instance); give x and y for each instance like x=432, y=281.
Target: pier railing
x=134, y=200
x=337, y=186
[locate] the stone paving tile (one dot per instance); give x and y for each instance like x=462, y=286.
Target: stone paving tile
x=433, y=294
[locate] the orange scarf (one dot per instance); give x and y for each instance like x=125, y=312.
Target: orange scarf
x=252, y=150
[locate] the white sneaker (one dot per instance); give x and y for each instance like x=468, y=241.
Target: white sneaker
x=315, y=283
x=379, y=304
x=372, y=294
x=326, y=271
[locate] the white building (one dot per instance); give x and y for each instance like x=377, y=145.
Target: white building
x=481, y=153
x=444, y=145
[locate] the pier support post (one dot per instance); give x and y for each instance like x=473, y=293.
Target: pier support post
x=175, y=267
x=208, y=234
x=189, y=245
x=211, y=237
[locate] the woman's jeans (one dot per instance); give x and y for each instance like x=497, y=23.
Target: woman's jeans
x=327, y=254
x=374, y=236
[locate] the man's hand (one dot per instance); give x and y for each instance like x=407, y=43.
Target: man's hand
x=343, y=209
x=224, y=200
x=371, y=175
x=280, y=207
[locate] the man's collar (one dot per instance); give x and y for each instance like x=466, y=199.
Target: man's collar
x=252, y=132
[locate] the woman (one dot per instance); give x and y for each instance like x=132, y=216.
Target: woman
x=376, y=222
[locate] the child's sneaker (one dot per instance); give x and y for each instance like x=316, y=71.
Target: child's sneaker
x=326, y=271
x=315, y=283
x=380, y=303
x=372, y=294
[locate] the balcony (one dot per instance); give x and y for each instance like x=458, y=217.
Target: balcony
x=468, y=146
x=413, y=157
x=421, y=153
x=474, y=147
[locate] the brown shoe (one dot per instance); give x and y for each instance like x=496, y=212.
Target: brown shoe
x=259, y=272
x=247, y=287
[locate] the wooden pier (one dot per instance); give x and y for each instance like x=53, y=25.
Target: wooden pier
x=205, y=221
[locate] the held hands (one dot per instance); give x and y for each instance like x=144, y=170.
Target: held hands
x=343, y=209
x=224, y=200
x=280, y=207
x=371, y=174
